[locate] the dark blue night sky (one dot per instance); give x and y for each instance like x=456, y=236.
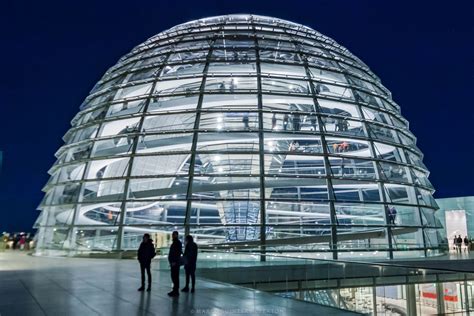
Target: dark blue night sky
x=53, y=53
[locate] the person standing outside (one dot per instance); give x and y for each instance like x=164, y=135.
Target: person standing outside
x=190, y=258
x=15, y=241
x=22, y=242
x=459, y=243
x=146, y=252
x=174, y=258
x=466, y=244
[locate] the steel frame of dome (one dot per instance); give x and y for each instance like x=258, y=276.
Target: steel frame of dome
x=245, y=131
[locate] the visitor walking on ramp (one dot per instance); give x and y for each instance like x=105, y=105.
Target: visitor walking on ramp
x=146, y=252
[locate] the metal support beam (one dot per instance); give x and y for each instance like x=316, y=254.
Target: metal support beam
x=261, y=155
x=134, y=145
x=197, y=121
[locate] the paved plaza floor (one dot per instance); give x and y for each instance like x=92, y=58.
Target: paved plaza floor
x=73, y=286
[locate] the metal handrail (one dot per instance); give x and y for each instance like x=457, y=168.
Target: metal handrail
x=338, y=261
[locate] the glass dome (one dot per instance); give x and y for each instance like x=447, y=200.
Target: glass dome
x=246, y=132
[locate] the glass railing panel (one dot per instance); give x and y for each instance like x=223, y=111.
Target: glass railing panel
x=364, y=287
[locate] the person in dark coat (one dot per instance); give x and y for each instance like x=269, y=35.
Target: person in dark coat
x=190, y=258
x=245, y=120
x=146, y=252
x=274, y=121
x=296, y=121
x=466, y=244
x=174, y=258
x=459, y=244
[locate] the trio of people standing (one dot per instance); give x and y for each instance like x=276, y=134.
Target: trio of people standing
x=459, y=241
x=176, y=258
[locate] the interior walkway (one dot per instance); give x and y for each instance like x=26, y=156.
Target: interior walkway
x=72, y=286
x=458, y=261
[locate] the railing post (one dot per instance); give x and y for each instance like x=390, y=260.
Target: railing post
x=466, y=295
x=374, y=297
x=411, y=299
x=440, y=297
